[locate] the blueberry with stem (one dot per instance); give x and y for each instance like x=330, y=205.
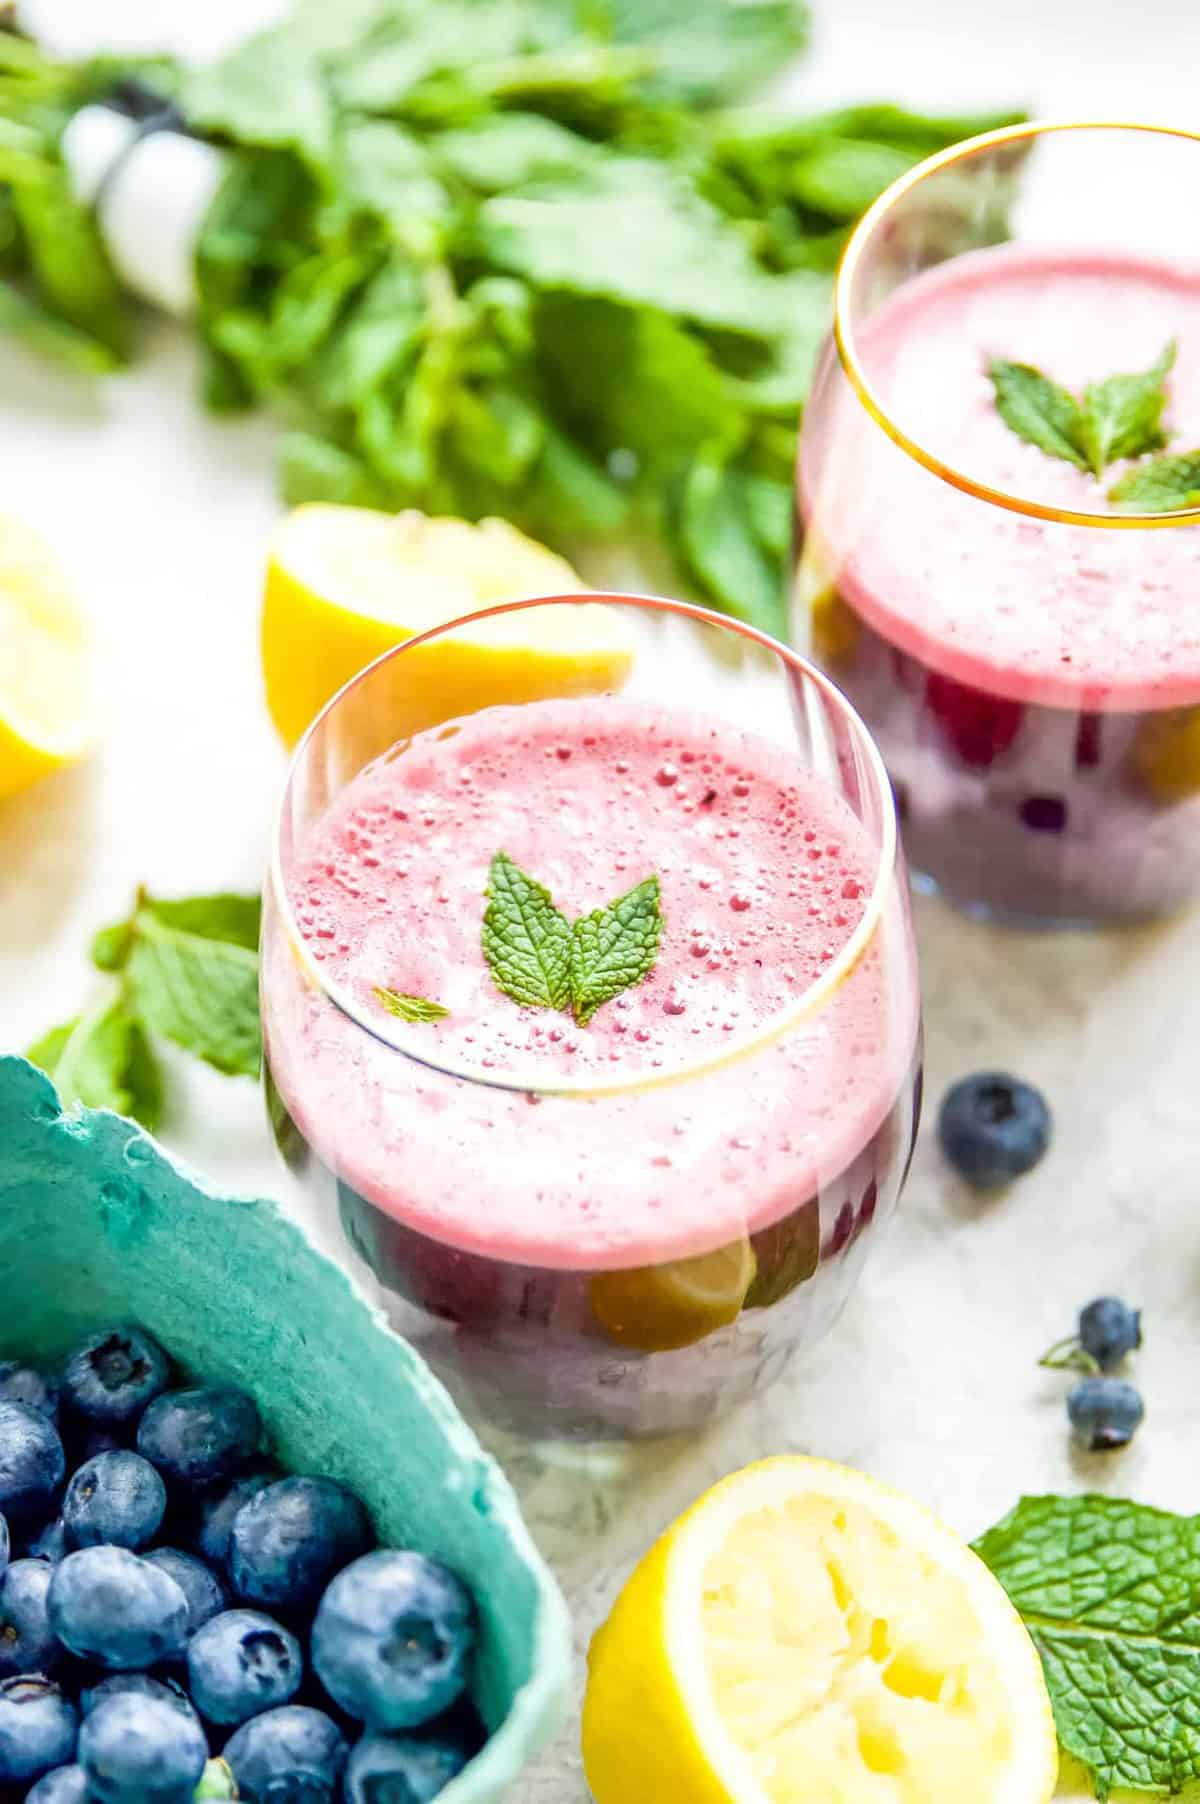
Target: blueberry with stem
x=109, y=1378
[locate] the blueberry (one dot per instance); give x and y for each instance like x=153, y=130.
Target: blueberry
x=292, y=1755
x=392, y=1639
x=993, y=1128
x=116, y=1498
x=32, y=1464
x=107, y=1605
x=21, y=1384
x=27, y=1642
x=200, y=1436
x=141, y=1750
x=400, y=1769
x=1105, y=1413
x=50, y=1543
x=204, y=1591
x=141, y=1685
x=218, y=1511
x=38, y=1727
x=289, y=1540
x=113, y=1375
x=1108, y=1330
x=62, y=1785
x=242, y=1663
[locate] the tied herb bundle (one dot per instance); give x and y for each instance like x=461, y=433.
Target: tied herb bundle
x=522, y=257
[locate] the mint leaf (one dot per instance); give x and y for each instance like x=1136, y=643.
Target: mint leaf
x=1038, y=410
x=104, y=1060
x=233, y=918
x=1110, y=1592
x=414, y=1009
x=1160, y=486
x=200, y=992
x=526, y=941
x=614, y=948
x=1122, y=417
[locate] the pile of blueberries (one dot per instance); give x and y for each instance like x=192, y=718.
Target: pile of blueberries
x=180, y=1619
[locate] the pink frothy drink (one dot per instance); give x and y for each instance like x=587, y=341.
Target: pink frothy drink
x=545, y=1190
x=1034, y=682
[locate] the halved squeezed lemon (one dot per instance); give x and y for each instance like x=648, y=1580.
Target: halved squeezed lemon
x=48, y=702
x=345, y=584
x=804, y=1635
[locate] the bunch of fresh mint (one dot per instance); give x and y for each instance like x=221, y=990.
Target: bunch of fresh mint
x=1110, y=1592
x=517, y=257
x=185, y=970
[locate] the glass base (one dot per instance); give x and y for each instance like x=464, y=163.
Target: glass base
x=1020, y=920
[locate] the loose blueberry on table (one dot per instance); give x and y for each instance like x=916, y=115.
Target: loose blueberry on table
x=993, y=1128
x=180, y=1620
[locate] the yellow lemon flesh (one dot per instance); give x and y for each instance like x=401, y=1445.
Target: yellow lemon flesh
x=48, y=701
x=345, y=584
x=1167, y=753
x=806, y=1636
x=659, y=1307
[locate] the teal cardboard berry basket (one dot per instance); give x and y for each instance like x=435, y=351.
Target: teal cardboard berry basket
x=97, y=1224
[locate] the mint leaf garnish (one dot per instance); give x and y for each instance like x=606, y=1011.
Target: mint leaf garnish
x=1117, y=418
x=1110, y=1592
x=415, y=1009
x=1038, y=410
x=1160, y=486
x=526, y=941
x=538, y=958
x=614, y=948
x=1122, y=417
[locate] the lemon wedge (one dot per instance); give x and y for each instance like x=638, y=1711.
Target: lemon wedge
x=804, y=1635
x=345, y=584
x=1167, y=753
x=48, y=700
x=656, y=1308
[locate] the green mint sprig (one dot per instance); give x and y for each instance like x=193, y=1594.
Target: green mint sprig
x=539, y=958
x=185, y=970
x=1110, y=1593
x=1118, y=418
x=1161, y=486
x=416, y=1010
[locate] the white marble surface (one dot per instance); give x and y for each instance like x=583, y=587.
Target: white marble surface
x=930, y=1381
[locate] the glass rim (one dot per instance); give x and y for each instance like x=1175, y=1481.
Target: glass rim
x=845, y=337
x=545, y=1081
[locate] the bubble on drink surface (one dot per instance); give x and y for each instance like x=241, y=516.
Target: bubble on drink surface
x=667, y=775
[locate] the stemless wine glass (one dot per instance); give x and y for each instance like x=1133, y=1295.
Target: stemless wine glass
x=627, y=1226
x=1026, y=653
